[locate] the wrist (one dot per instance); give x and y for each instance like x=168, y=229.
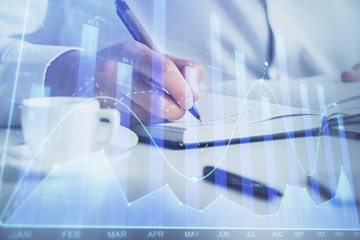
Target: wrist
x=68, y=72
x=62, y=73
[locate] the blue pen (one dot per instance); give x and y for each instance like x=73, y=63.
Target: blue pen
x=239, y=183
x=139, y=34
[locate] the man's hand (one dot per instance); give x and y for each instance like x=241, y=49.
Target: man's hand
x=168, y=72
x=181, y=78
x=353, y=75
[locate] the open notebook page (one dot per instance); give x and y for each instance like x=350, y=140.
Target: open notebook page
x=226, y=116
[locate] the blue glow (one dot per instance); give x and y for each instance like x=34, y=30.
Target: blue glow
x=299, y=180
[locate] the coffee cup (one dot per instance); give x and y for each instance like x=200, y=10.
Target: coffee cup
x=58, y=129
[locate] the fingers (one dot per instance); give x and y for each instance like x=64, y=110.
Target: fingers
x=351, y=76
x=154, y=65
x=191, y=76
x=169, y=72
x=193, y=73
x=180, y=78
x=169, y=76
x=153, y=102
x=182, y=63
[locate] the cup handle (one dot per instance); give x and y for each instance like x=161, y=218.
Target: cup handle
x=110, y=128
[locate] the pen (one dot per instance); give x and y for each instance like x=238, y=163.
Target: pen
x=239, y=183
x=320, y=189
x=139, y=34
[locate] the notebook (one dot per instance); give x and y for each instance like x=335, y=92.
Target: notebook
x=227, y=119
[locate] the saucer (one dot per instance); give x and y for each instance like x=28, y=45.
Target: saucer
x=125, y=138
x=20, y=155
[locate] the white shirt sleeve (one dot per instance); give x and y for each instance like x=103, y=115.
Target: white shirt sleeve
x=22, y=65
x=22, y=74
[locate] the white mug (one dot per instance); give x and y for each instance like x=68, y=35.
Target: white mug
x=59, y=129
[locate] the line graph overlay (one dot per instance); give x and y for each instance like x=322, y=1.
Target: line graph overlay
x=191, y=178
x=101, y=202
x=12, y=103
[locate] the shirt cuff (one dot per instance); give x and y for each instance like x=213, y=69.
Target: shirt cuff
x=22, y=75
